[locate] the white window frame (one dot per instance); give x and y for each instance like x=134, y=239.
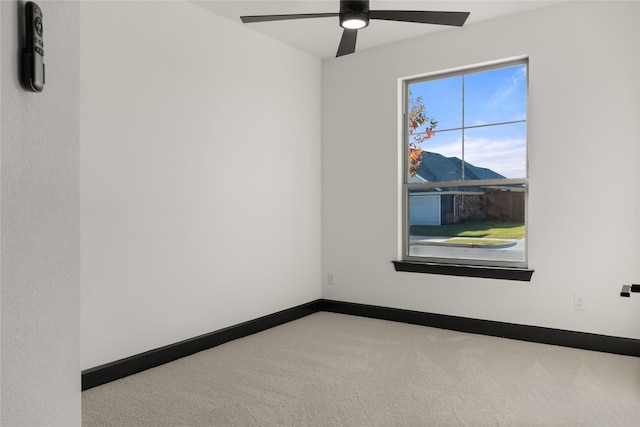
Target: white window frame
x=406, y=186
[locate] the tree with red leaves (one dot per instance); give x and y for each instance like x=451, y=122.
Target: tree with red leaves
x=418, y=117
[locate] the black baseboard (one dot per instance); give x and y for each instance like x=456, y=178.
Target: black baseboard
x=131, y=365
x=581, y=340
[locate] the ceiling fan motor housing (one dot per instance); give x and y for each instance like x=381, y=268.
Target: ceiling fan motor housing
x=354, y=11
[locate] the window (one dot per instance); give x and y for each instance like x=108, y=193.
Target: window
x=465, y=180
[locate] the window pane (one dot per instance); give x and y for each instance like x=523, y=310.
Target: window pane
x=442, y=100
x=441, y=158
x=494, y=152
x=463, y=130
x=471, y=223
x=495, y=96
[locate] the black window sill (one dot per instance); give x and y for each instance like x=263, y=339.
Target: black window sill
x=505, y=273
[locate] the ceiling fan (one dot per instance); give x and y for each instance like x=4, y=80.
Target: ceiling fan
x=356, y=14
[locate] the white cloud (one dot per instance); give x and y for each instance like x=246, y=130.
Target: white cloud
x=507, y=87
x=508, y=157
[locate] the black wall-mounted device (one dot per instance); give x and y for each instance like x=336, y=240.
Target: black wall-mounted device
x=627, y=289
x=33, y=53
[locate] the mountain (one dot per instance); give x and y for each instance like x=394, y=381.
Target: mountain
x=436, y=167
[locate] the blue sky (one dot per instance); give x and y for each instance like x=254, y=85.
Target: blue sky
x=490, y=97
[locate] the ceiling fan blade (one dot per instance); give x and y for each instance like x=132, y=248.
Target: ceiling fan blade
x=423, y=17
x=265, y=18
x=347, y=42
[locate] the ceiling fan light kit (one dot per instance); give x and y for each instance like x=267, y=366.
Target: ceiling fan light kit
x=355, y=15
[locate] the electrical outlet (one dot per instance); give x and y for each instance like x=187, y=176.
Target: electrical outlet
x=578, y=303
x=331, y=279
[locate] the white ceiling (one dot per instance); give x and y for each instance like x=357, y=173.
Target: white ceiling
x=321, y=36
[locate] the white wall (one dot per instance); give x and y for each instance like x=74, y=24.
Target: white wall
x=200, y=176
x=40, y=225
x=583, y=156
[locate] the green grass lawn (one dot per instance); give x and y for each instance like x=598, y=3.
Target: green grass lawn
x=487, y=229
x=471, y=241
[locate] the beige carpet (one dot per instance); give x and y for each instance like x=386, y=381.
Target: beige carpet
x=335, y=370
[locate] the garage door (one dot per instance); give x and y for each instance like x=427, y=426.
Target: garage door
x=424, y=210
